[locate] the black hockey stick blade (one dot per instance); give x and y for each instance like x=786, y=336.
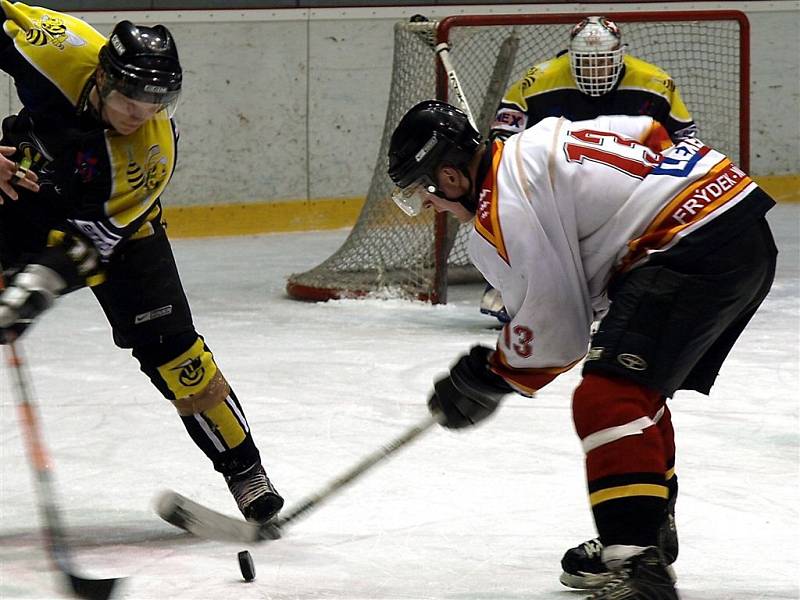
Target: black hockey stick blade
x=92, y=589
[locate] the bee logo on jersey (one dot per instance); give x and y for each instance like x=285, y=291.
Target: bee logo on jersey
x=191, y=373
x=154, y=172
x=134, y=174
x=530, y=76
x=156, y=168
x=52, y=30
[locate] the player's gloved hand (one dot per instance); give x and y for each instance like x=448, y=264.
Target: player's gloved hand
x=31, y=293
x=470, y=392
x=74, y=258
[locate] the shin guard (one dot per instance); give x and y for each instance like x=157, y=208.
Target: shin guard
x=208, y=407
x=625, y=457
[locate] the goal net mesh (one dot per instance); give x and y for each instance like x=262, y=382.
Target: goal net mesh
x=392, y=255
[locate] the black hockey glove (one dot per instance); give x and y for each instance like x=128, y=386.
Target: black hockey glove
x=31, y=293
x=68, y=263
x=470, y=393
x=74, y=258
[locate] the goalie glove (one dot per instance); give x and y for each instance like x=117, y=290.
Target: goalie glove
x=31, y=293
x=470, y=392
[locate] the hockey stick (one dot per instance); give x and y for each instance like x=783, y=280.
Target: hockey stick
x=443, y=52
x=57, y=546
x=427, y=33
x=498, y=81
x=195, y=518
x=60, y=554
x=365, y=464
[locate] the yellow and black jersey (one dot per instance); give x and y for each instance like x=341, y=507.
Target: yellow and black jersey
x=106, y=185
x=548, y=90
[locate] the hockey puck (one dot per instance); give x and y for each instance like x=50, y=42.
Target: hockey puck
x=246, y=565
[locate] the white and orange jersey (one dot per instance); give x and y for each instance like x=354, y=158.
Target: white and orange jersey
x=565, y=205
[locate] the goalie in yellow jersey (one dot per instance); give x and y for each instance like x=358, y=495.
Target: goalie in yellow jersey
x=83, y=166
x=595, y=76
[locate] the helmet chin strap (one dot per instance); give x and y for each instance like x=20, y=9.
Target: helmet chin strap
x=467, y=200
x=96, y=111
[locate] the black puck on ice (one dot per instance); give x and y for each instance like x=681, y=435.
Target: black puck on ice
x=246, y=565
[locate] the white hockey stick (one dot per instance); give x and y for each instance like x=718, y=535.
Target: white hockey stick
x=443, y=52
x=498, y=80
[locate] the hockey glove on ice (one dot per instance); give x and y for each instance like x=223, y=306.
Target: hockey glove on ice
x=31, y=293
x=470, y=393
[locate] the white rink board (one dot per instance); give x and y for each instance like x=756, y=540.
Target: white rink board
x=290, y=104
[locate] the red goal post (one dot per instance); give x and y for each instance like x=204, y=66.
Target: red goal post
x=390, y=255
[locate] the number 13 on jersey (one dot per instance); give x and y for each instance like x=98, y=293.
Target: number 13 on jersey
x=519, y=339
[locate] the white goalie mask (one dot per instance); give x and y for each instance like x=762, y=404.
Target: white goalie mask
x=595, y=55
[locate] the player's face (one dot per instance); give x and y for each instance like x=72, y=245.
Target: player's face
x=596, y=68
x=451, y=185
x=441, y=195
x=126, y=115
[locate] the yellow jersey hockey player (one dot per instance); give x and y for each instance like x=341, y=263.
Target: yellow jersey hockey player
x=82, y=169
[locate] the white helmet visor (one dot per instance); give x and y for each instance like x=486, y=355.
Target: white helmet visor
x=411, y=198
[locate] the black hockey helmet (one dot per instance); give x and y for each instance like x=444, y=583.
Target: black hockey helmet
x=430, y=134
x=142, y=63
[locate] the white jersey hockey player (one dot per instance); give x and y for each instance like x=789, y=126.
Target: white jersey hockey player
x=567, y=205
x=666, y=245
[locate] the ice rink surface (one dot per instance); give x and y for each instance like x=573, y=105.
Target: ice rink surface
x=480, y=514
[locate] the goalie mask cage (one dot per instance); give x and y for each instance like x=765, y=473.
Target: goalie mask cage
x=388, y=254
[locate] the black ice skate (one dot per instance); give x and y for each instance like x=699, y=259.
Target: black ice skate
x=255, y=495
x=583, y=567
x=644, y=576
x=668, y=534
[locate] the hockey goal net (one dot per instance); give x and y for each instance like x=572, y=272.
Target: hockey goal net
x=388, y=254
